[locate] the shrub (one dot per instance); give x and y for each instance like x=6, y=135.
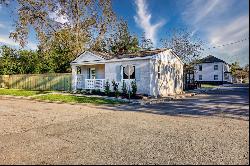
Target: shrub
x=124, y=89
x=115, y=88
x=107, y=88
x=96, y=91
x=134, y=88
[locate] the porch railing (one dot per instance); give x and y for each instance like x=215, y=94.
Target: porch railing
x=94, y=84
x=82, y=83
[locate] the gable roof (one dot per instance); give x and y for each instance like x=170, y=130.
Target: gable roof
x=129, y=55
x=100, y=56
x=210, y=59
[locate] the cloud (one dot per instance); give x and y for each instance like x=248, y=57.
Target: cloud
x=143, y=19
x=220, y=22
x=2, y=26
x=58, y=17
x=198, y=10
x=8, y=41
x=5, y=40
x=235, y=30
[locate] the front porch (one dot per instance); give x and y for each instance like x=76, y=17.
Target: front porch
x=90, y=76
x=89, y=83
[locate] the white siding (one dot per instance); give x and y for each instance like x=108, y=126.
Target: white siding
x=208, y=71
x=146, y=72
x=142, y=73
x=171, y=75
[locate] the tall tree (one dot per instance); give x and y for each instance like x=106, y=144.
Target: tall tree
x=187, y=46
x=234, y=67
x=145, y=44
x=121, y=41
x=84, y=21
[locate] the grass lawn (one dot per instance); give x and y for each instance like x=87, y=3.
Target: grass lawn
x=18, y=92
x=77, y=99
x=208, y=86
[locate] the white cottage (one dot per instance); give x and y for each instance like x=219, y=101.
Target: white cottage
x=156, y=72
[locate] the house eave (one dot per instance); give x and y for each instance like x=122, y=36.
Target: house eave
x=111, y=60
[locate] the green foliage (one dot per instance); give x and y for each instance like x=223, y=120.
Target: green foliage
x=121, y=42
x=234, y=67
x=76, y=99
x=115, y=88
x=13, y=61
x=134, y=88
x=17, y=92
x=107, y=88
x=124, y=88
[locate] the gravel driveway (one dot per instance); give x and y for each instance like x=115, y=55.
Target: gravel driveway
x=48, y=133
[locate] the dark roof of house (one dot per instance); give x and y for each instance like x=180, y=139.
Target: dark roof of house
x=130, y=55
x=210, y=59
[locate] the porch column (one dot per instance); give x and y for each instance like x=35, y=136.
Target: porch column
x=74, y=77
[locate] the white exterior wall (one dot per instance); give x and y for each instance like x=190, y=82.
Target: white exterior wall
x=171, y=75
x=208, y=72
x=113, y=71
x=146, y=72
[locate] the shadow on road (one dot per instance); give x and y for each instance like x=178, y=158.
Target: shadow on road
x=229, y=103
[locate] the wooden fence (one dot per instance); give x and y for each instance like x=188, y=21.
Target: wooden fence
x=37, y=81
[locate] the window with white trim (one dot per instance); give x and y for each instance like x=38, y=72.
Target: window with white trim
x=216, y=77
x=215, y=67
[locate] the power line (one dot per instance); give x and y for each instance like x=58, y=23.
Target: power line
x=232, y=43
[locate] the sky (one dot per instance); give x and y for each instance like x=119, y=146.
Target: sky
x=216, y=22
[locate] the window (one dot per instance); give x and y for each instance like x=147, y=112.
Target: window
x=200, y=67
x=200, y=77
x=159, y=72
x=78, y=70
x=215, y=77
x=215, y=67
x=126, y=77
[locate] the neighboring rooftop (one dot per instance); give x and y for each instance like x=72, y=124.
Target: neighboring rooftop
x=210, y=59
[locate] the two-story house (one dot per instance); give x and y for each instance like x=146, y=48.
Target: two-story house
x=212, y=70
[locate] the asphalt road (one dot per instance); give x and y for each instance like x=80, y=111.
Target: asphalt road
x=231, y=101
x=206, y=129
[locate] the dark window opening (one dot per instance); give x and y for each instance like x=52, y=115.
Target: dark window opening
x=200, y=67
x=200, y=77
x=159, y=72
x=131, y=76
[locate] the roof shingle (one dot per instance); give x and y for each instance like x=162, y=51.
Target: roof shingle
x=130, y=55
x=210, y=59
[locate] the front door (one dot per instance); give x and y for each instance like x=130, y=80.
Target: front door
x=92, y=73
